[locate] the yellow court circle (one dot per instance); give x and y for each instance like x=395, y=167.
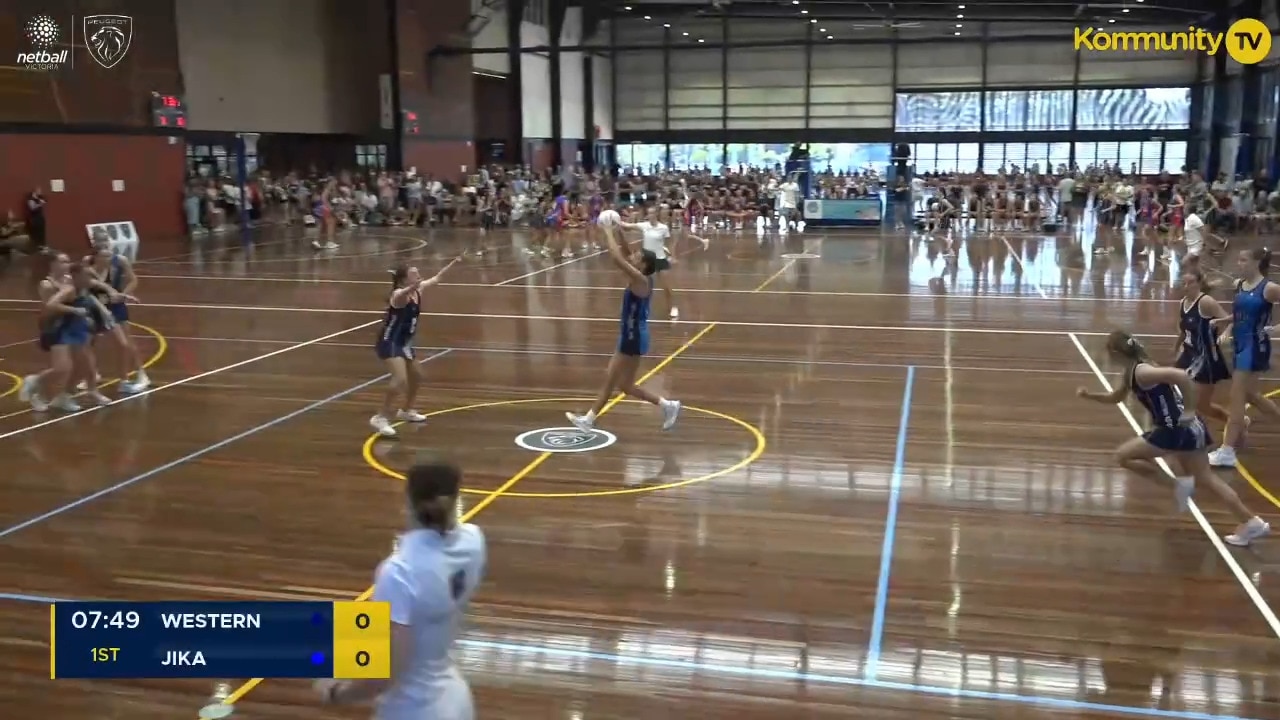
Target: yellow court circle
x=752, y=430
x=17, y=384
x=1249, y=476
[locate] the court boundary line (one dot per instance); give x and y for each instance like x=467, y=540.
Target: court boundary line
x=1265, y=609
x=782, y=675
x=695, y=358
x=871, y=666
x=614, y=320
x=690, y=290
x=66, y=507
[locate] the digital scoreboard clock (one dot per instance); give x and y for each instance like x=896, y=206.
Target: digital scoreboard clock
x=168, y=111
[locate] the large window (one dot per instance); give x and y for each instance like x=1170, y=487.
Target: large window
x=945, y=157
x=849, y=157
x=697, y=156
x=939, y=112
x=1017, y=110
x=642, y=158
x=1175, y=156
x=1134, y=109
x=371, y=157
x=757, y=155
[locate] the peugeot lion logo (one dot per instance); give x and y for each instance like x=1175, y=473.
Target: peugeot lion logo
x=107, y=37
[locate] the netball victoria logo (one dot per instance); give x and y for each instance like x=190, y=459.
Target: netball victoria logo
x=43, y=38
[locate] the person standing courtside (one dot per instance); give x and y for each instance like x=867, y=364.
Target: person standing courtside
x=428, y=581
x=36, y=220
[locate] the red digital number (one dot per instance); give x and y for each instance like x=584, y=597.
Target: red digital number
x=182, y=121
x=164, y=120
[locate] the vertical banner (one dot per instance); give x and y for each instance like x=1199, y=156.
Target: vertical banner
x=386, y=109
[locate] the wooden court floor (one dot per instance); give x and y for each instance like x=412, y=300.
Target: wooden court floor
x=883, y=500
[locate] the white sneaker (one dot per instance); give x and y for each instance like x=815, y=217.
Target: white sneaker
x=585, y=423
x=130, y=388
x=675, y=314
x=1248, y=532
x=670, y=413
x=412, y=416
x=1183, y=487
x=84, y=385
x=1223, y=457
x=382, y=426
x=98, y=398
x=38, y=404
x=331, y=246
x=28, y=388
x=65, y=403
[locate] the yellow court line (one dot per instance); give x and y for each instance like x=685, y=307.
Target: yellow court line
x=17, y=384
x=162, y=349
x=1248, y=476
x=537, y=462
x=761, y=444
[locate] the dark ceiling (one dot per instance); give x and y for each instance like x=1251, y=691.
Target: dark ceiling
x=1151, y=13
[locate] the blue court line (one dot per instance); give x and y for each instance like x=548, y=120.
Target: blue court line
x=792, y=676
x=201, y=452
x=872, y=665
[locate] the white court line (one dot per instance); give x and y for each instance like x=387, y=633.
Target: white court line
x=182, y=381
x=1249, y=588
x=571, y=318
x=692, y=358
x=708, y=291
x=539, y=272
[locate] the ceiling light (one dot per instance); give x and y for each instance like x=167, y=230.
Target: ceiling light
x=814, y=21
x=959, y=24
x=1125, y=10
x=627, y=7
x=1111, y=20
x=646, y=17
x=795, y=2
x=958, y=17
x=804, y=12
x=961, y=7
x=831, y=37
x=685, y=34
x=667, y=25
x=957, y=34
x=822, y=29
x=701, y=40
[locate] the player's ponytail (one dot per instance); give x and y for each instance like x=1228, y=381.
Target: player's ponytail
x=432, y=487
x=398, y=274
x=1124, y=344
x=1263, y=256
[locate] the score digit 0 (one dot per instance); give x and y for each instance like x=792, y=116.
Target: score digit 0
x=362, y=658
x=362, y=621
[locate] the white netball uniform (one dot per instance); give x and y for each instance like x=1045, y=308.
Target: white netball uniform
x=428, y=581
x=655, y=236
x=1193, y=233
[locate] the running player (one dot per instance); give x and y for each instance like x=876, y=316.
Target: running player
x=1198, y=351
x=1175, y=431
x=428, y=581
x=633, y=342
x=1250, y=333
x=115, y=270
x=395, y=347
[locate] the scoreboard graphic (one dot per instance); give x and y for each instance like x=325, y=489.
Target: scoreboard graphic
x=341, y=640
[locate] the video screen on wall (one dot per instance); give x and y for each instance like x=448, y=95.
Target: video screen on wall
x=824, y=157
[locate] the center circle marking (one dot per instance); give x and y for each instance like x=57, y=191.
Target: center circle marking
x=367, y=451
x=565, y=440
